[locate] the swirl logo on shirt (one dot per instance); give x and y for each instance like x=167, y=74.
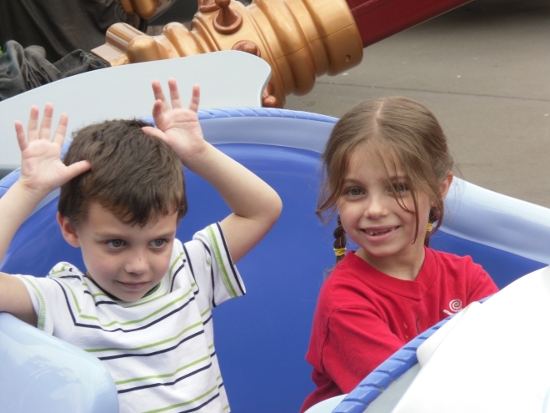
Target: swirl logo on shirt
x=455, y=305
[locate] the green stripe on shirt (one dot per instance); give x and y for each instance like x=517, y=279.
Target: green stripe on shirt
x=168, y=340
x=166, y=375
x=223, y=270
x=41, y=322
x=202, y=396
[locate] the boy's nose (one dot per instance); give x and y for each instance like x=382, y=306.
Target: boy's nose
x=137, y=264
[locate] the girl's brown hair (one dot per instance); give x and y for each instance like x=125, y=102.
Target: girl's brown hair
x=396, y=125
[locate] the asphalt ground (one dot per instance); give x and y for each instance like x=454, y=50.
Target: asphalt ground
x=484, y=70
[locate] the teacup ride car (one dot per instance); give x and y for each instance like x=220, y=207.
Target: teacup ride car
x=261, y=339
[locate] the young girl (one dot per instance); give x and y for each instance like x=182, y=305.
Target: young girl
x=387, y=170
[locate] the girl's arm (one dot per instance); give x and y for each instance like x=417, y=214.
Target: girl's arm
x=41, y=172
x=255, y=205
x=358, y=341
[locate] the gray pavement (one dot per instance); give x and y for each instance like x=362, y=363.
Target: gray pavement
x=484, y=70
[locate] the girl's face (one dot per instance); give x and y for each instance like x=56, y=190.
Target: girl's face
x=371, y=216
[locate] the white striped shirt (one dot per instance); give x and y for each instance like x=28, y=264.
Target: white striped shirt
x=160, y=349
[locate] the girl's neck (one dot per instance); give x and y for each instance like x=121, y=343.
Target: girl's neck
x=403, y=267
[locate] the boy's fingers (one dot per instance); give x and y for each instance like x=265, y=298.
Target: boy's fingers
x=59, y=135
x=157, y=91
x=46, y=124
x=174, y=94
x=195, y=98
x=20, y=134
x=32, y=124
x=158, y=112
x=154, y=132
x=77, y=168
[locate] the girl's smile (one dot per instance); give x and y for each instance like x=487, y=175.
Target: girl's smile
x=378, y=232
x=384, y=228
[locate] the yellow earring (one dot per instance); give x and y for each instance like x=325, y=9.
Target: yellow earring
x=430, y=227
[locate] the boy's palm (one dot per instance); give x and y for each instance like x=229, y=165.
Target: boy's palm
x=178, y=126
x=41, y=166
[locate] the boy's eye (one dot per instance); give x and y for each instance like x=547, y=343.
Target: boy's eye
x=158, y=243
x=400, y=187
x=115, y=243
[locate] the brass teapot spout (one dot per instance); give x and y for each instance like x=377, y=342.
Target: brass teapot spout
x=300, y=39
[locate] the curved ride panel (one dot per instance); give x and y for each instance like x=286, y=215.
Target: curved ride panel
x=125, y=92
x=40, y=373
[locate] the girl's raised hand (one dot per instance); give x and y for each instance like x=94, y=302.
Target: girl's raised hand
x=178, y=126
x=41, y=168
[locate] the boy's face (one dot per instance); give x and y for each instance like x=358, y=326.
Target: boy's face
x=125, y=260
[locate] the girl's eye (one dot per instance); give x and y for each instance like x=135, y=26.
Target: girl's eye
x=115, y=243
x=353, y=191
x=400, y=187
x=158, y=243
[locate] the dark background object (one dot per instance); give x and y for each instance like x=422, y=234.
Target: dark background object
x=62, y=26
x=180, y=11
x=22, y=69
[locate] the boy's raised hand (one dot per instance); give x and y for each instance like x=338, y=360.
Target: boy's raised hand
x=255, y=205
x=41, y=168
x=176, y=125
x=41, y=172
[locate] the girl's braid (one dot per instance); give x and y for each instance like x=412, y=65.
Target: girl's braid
x=340, y=240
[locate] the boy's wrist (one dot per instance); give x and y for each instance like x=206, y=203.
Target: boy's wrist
x=28, y=194
x=198, y=158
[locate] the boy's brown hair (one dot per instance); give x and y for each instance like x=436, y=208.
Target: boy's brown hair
x=135, y=176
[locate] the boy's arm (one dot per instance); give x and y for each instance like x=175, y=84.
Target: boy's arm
x=41, y=172
x=255, y=205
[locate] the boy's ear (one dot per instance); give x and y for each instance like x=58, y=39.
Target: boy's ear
x=446, y=184
x=68, y=231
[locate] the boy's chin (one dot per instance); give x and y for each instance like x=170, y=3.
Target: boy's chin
x=126, y=292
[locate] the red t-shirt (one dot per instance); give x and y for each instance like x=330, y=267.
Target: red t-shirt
x=363, y=316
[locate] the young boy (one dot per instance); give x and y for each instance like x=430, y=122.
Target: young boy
x=143, y=304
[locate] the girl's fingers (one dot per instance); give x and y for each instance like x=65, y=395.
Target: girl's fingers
x=46, y=124
x=59, y=135
x=195, y=98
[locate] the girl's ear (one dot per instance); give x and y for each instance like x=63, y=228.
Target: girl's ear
x=68, y=231
x=446, y=184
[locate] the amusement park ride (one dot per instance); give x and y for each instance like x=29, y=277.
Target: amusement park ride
x=492, y=357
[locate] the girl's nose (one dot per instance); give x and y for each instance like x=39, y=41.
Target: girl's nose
x=376, y=206
x=137, y=264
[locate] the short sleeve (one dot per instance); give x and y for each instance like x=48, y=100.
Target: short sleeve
x=481, y=283
x=217, y=268
x=43, y=292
